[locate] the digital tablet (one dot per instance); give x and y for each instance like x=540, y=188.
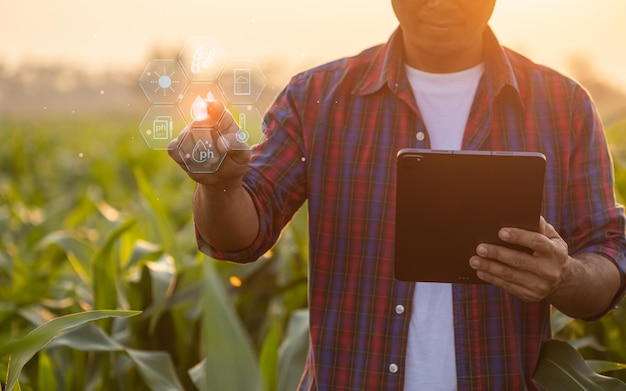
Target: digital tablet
x=447, y=202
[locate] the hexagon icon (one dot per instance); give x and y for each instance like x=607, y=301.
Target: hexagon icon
x=250, y=124
x=199, y=91
x=163, y=81
x=202, y=58
x=242, y=82
x=160, y=125
x=200, y=152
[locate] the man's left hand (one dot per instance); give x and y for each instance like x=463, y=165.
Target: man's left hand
x=532, y=277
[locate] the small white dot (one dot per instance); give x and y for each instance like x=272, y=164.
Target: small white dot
x=420, y=136
x=101, y=92
x=393, y=368
x=80, y=155
x=303, y=159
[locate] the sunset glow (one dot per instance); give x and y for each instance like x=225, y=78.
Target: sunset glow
x=298, y=33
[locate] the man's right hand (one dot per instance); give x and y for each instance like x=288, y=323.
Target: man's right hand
x=235, y=164
x=223, y=211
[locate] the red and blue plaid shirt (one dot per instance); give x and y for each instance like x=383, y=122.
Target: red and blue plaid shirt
x=332, y=138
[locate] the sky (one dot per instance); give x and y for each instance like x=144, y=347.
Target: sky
x=99, y=35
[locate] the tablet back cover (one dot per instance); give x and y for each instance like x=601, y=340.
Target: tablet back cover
x=447, y=202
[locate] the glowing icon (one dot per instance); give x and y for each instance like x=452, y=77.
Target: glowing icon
x=242, y=134
x=198, y=110
x=163, y=81
x=200, y=60
x=201, y=152
x=162, y=127
x=242, y=81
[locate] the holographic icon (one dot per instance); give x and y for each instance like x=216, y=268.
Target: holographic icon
x=193, y=102
x=199, y=150
x=242, y=134
x=202, y=152
x=160, y=124
x=179, y=91
x=198, y=110
x=202, y=58
x=162, y=127
x=251, y=126
x=163, y=81
x=242, y=81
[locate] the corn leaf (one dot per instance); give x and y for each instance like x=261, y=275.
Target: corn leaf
x=230, y=363
x=160, y=217
x=601, y=366
x=23, y=349
x=105, y=271
x=562, y=368
x=293, y=351
x=269, y=358
x=156, y=368
x=163, y=278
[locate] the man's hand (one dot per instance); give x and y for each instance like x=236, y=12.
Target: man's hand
x=223, y=211
x=235, y=163
x=580, y=287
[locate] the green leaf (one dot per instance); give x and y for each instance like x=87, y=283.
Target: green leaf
x=230, y=362
x=88, y=338
x=293, y=351
x=559, y=320
x=161, y=219
x=269, y=358
x=105, y=271
x=142, y=250
x=156, y=369
x=600, y=366
x=23, y=349
x=562, y=368
x=46, y=380
x=68, y=241
x=163, y=278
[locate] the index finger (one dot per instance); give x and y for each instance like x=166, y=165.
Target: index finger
x=535, y=241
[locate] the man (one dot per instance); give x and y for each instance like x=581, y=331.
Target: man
x=442, y=81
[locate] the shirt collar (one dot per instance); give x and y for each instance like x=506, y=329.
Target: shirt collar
x=387, y=67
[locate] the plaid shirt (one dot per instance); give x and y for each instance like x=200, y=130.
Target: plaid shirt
x=332, y=138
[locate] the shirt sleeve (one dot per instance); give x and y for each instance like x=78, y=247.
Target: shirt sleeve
x=598, y=222
x=276, y=180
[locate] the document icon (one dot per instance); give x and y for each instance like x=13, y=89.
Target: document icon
x=242, y=81
x=162, y=127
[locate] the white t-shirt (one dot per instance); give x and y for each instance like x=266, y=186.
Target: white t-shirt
x=444, y=100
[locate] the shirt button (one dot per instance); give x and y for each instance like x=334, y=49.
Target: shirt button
x=420, y=136
x=399, y=309
x=393, y=368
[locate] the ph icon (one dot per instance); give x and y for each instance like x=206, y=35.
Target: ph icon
x=199, y=149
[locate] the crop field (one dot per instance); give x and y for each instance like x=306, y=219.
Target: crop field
x=94, y=222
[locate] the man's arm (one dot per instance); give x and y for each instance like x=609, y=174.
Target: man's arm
x=225, y=218
x=223, y=211
x=580, y=287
